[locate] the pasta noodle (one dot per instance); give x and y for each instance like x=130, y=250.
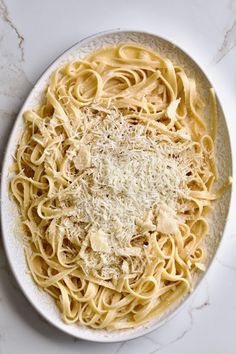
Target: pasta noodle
x=114, y=177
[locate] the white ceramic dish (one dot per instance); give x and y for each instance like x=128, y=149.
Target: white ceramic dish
x=11, y=236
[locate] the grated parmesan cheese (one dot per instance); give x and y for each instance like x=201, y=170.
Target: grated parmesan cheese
x=167, y=220
x=128, y=175
x=98, y=241
x=171, y=110
x=83, y=158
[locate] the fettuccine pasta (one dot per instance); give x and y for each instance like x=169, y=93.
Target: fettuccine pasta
x=114, y=176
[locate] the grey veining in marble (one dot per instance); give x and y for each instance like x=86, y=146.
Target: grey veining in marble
x=5, y=16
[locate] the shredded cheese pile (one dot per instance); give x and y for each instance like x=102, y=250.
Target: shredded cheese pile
x=128, y=175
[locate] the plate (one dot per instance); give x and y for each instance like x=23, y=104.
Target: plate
x=12, y=238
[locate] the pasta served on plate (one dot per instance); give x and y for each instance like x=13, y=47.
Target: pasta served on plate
x=114, y=176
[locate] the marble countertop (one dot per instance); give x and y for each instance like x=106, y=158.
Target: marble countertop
x=32, y=34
